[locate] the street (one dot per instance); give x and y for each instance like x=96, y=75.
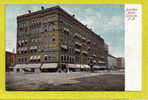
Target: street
x=73, y=81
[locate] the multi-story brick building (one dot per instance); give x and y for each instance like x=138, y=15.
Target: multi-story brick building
x=10, y=60
x=51, y=38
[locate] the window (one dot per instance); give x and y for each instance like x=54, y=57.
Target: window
x=19, y=60
x=62, y=58
x=53, y=38
x=46, y=58
x=51, y=57
x=25, y=59
x=31, y=51
x=45, y=30
x=25, y=51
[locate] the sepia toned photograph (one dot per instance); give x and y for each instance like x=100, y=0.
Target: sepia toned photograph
x=65, y=47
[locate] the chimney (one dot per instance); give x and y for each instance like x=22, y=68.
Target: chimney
x=42, y=7
x=73, y=15
x=29, y=11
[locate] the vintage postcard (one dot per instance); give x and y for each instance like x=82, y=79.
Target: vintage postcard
x=73, y=50
x=73, y=47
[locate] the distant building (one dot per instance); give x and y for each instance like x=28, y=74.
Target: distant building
x=112, y=62
x=120, y=63
x=10, y=60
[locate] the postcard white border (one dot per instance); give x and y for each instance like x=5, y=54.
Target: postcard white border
x=133, y=49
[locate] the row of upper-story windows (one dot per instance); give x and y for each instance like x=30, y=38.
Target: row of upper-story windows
x=36, y=40
x=67, y=30
x=37, y=58
x=51, y=48
x=24, y=50
x=50, y=19
x=51, y=38
x=22, y=59
x=22, y=43
x=50, y=57
x=65, y=48
x=48, y=28
x=37, y=21
x=23, y=25
x=38, y=30
x=66, y=23
x=65, y=58
x=64, y=40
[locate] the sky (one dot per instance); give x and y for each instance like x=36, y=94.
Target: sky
x=105, y=20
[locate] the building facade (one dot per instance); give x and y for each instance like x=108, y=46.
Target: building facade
x=112, y=62
x=10, y=60
x=51, y=39
x=120, y=63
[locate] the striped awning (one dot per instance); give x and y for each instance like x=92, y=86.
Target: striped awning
x=77, y=43
x=84, y=52
x=22, y=49
x=83, y=38
x=23, y=41
x=77, y=50
x=35, y=57
x=64, y=46
x=94, y=55
x=31, y=57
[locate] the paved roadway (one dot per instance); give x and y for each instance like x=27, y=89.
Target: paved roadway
x=73, y=81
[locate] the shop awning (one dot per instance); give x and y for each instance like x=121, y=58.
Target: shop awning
x=78, y=65
x=20, y=66
x=98, y=66
x=72, y=66
x=101, y=62
x=86, y=66
x=33, y=66
x=49, y=65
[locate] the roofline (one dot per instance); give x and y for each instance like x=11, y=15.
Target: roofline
x=112, y=56
x=10, y=52
x=58, y=7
